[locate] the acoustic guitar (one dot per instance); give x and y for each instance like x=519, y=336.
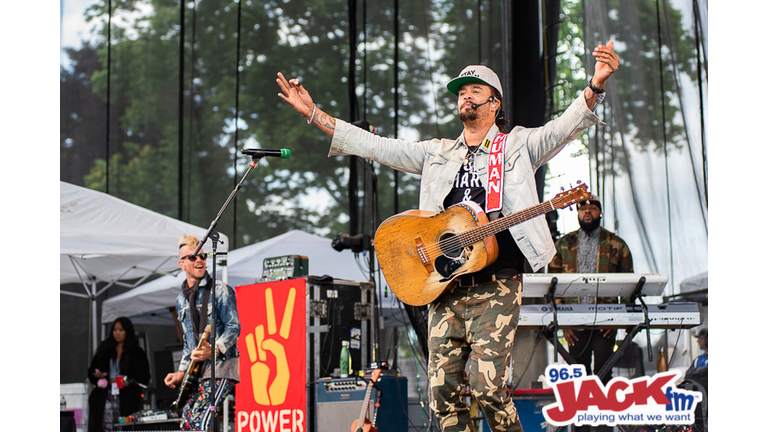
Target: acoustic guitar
x=190, y=377
x=422, y=253
x=363, y=424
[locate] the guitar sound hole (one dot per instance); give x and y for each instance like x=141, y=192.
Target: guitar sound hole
x=450, y=246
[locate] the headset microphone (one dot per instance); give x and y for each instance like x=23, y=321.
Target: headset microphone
x=475, y=106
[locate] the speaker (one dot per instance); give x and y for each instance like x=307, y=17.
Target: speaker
x=338, y=403
x=338, y=311
x=166, y=361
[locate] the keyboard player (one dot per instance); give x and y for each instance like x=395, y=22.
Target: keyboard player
x=591, y=249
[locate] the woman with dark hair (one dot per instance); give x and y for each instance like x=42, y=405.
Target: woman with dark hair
x=118, y=370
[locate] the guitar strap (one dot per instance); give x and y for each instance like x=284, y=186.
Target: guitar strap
x=204, y=309
x=494, y=189
x=202, y=319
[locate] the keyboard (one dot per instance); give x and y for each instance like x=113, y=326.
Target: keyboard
x=669, y=316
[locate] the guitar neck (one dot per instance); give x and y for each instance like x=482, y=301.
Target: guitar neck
x=367, y=398
x=193, y=364
x=360, y=425
x=476, y=234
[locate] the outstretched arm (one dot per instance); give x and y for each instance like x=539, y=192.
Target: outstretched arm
x=298, y=97
x=607, y=63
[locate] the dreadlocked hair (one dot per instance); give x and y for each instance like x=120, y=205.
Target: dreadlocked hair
x=501, y=120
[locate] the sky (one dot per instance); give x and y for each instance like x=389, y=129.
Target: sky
x=72, y=18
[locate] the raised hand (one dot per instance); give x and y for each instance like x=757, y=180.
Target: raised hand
x=296, y=95
x=607, y=64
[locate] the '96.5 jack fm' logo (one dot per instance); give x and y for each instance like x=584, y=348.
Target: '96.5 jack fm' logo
x=584, y=400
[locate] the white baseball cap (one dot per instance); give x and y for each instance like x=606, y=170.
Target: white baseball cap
x=475, y=73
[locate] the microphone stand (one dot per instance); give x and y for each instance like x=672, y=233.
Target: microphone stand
x=214, y=236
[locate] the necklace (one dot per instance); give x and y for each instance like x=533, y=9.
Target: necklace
x=470, y=154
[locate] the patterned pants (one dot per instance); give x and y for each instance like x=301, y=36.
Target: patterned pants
x=197, y=415
x=111, y=412
x=476, y=324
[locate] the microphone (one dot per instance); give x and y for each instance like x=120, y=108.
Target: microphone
x=282, y=153
x=475, y=106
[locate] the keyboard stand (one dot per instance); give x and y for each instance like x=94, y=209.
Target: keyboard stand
x=552, y=326
x=550, y=298
x=645, y=325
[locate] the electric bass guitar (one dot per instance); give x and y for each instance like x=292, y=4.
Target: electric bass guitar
x=422, y=253
x=190, y=377
x=363, y=424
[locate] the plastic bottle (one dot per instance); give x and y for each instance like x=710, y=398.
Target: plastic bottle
x=344, y=365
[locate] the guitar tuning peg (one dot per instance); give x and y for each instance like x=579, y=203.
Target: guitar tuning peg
x=562, y=188
x=578, y=182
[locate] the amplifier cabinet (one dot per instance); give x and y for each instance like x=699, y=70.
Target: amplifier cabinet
x=339, y=402
x=338, y=310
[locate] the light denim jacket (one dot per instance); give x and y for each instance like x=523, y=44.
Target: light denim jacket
x=438, y=161
x=227, y=330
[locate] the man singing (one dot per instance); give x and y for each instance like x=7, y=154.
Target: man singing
x=476, y=320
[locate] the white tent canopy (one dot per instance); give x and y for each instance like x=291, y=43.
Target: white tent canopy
x=147, y=303
x=695, y=283
x=106, y=240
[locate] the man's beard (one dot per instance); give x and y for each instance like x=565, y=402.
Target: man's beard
x=591, y=226
x=468, y=115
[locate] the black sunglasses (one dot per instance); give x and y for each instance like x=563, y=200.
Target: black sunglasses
x=192, y=257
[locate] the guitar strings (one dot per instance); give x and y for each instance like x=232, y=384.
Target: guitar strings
x=476, y=234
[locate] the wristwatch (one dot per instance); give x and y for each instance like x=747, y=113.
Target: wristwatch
x=593, y=88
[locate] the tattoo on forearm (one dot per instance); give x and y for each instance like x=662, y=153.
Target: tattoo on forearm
x=324, y=120
x=592, y=95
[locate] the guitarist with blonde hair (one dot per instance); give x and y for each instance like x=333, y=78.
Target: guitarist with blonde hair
x=490, y=173
x=194, y=307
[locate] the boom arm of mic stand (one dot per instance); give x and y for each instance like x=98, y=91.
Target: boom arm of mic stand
x=230, y=199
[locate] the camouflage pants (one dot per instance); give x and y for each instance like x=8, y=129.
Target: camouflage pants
x=476, y=324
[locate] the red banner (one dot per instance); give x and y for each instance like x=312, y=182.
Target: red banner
x=271, y=395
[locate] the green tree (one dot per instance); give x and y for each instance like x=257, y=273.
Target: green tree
x=151, y=166
x=639, y=111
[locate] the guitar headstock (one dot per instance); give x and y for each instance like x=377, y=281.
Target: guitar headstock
x=375, y=375
x=572, y=196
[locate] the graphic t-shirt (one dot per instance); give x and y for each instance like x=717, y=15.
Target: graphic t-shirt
x=467, y=187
